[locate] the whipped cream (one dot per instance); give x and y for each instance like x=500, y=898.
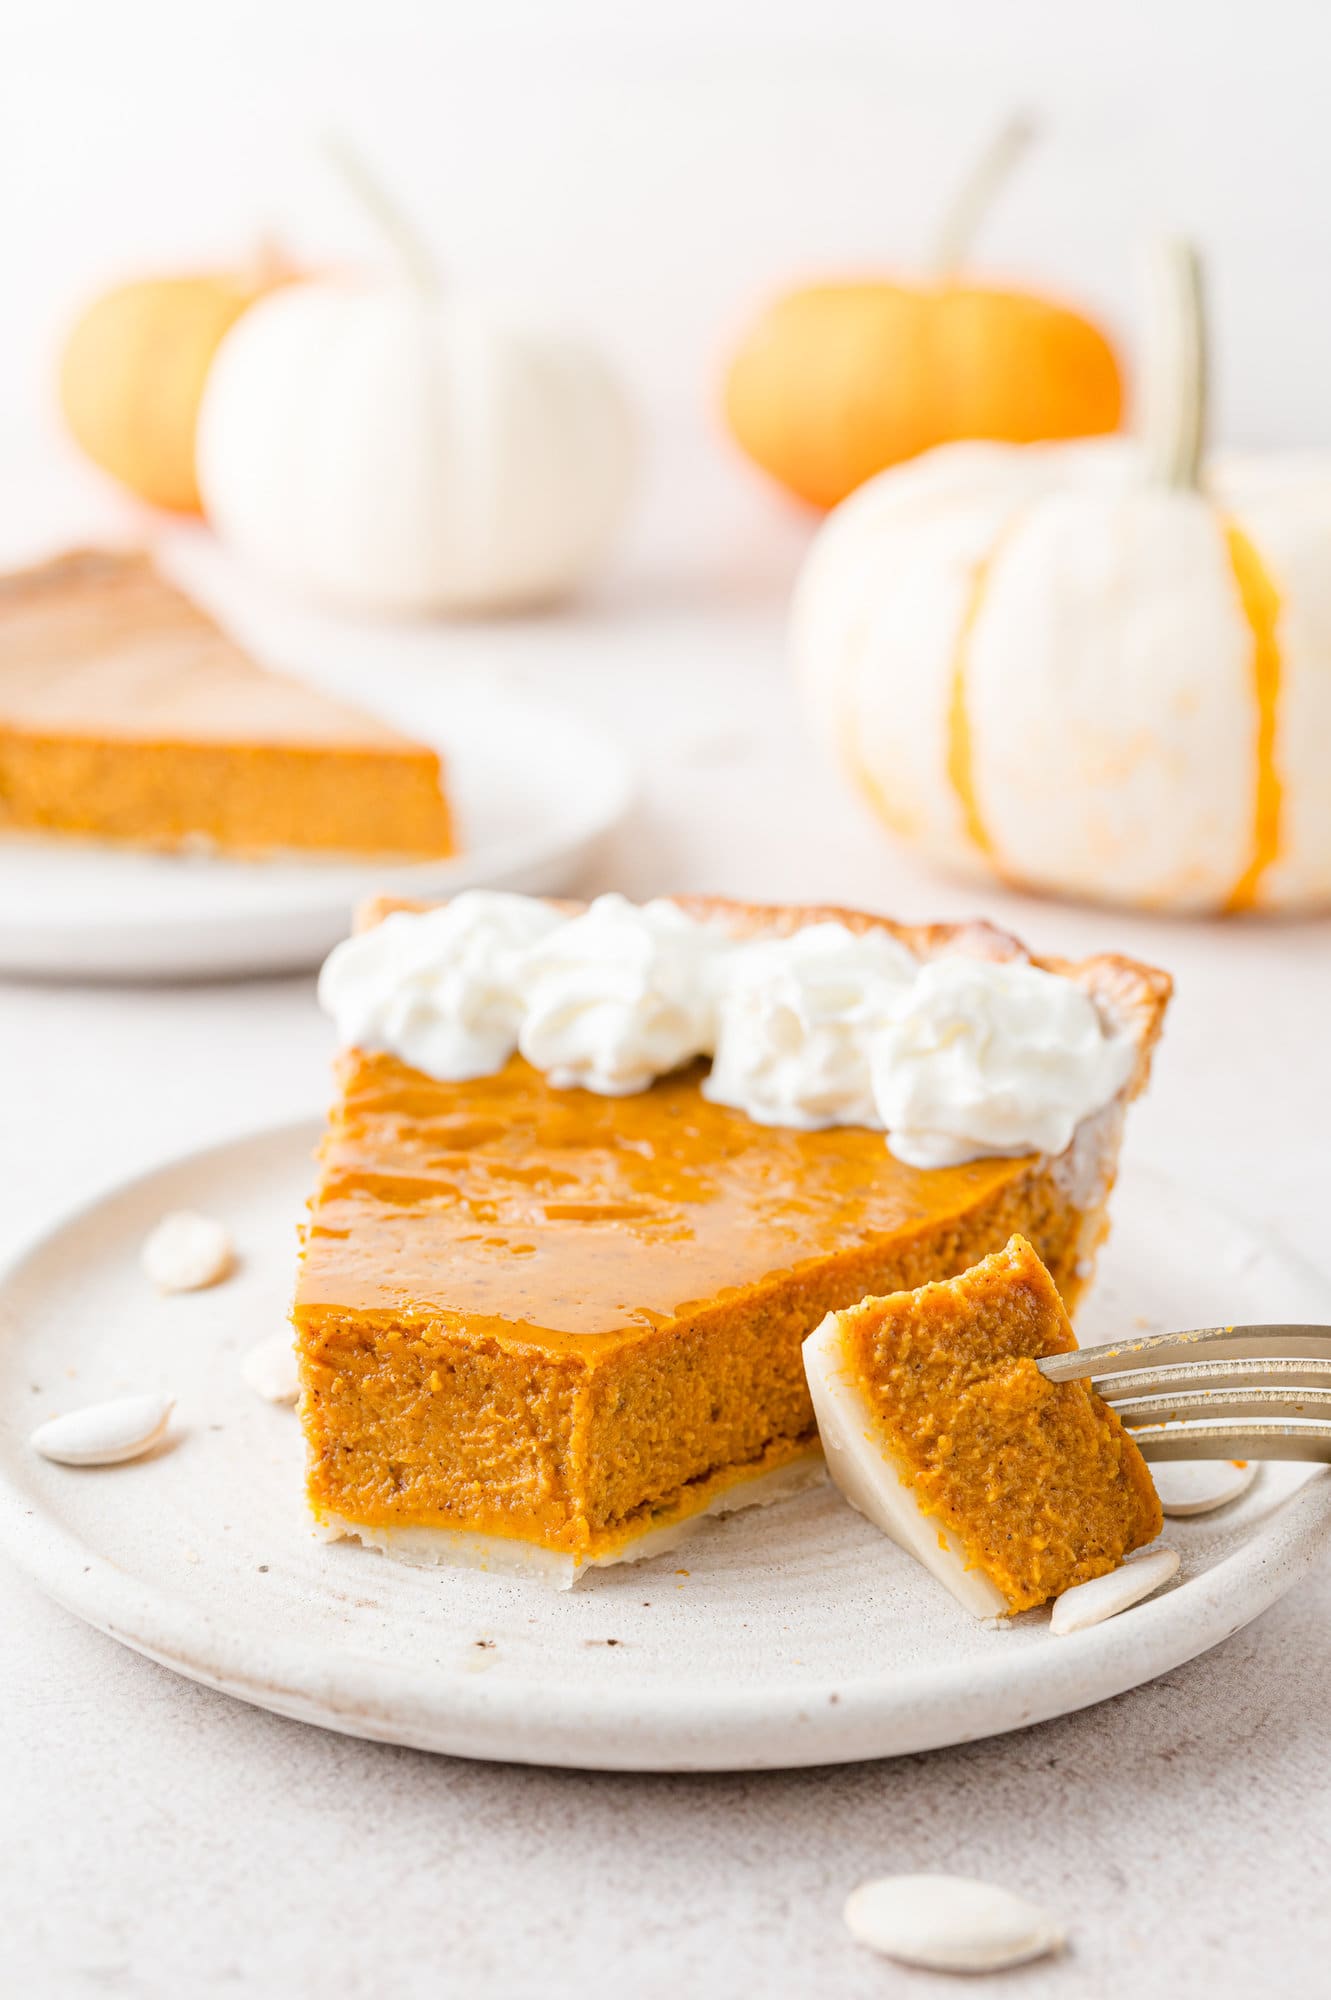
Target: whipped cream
x=992, y=1059
x=957, y=1058
x=796, y=1021
x=620, y=995
x=438, y=988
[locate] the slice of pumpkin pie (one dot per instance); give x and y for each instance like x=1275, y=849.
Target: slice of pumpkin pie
x=127, y=715
x=592, y=1177
x=939, y=1426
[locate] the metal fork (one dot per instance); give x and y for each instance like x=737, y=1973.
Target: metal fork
x=1218, y=1392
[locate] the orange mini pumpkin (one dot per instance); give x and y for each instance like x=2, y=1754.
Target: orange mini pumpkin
x=839, y=381
x=133, y=370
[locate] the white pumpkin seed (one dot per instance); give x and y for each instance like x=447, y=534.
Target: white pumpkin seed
x=187, y=1252
x=950, y=1923
x=270, y=1370
x=1196, y=1485
x=1105, y=1596
x=105, y=1433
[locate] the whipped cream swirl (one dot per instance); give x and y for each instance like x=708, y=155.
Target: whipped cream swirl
x=620, y=995
x=797, y=1019
x=990, y=1059
x=957, y=1058
x=438, y=988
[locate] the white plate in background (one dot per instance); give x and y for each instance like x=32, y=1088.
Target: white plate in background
x=535, y=790
x=787, y=1635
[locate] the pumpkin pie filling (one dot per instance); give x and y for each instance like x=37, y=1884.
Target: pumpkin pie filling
x=127, y=715
x=543, y=1327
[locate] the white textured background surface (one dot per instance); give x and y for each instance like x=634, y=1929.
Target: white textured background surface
x=649, y=178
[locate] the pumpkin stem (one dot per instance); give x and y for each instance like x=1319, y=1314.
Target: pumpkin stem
x=1174, y=385
x=385, y=212
x=967, y=209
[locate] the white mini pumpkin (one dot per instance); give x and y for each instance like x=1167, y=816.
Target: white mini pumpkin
x=397, y=452
x=1084, y=669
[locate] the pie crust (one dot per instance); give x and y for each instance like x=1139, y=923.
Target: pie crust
x=573, y=1324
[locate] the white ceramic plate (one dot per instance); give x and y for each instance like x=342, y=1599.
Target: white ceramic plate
x=535, y=789
x=788, y=1635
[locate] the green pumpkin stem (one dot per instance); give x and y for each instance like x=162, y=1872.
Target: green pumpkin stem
x=969, y=205
x=1175, y=384
x=387, y=214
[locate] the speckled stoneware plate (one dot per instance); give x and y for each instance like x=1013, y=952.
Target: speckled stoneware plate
x=788, y=1635
x=534, y=788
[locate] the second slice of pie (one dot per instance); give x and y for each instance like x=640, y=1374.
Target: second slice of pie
x=128, y=716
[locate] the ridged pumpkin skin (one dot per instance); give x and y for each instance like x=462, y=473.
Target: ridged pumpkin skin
x=1045, y=665
x=838, y=382
x=132, y=376
x=401, y=454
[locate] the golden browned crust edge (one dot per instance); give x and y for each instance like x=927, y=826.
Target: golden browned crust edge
x=1132, y=996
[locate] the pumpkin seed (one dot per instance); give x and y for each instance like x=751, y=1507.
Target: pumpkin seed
x=105, y=1433
x=1196, y=1485
x=270, y=1370
x=187, y=1252
x=950, y=1923
x=1105, y=1596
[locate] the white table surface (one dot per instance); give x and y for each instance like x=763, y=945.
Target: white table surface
x=158, y=1839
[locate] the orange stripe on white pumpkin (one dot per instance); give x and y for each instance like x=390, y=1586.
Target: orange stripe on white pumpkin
x=893, y=816
x=1260, y=603
x=960, y=737
x=837, y=572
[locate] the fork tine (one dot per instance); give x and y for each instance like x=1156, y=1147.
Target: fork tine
x=1199, y=1375
x=1308, y=1443
x=1286, y=1404
x=1237, y=1343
